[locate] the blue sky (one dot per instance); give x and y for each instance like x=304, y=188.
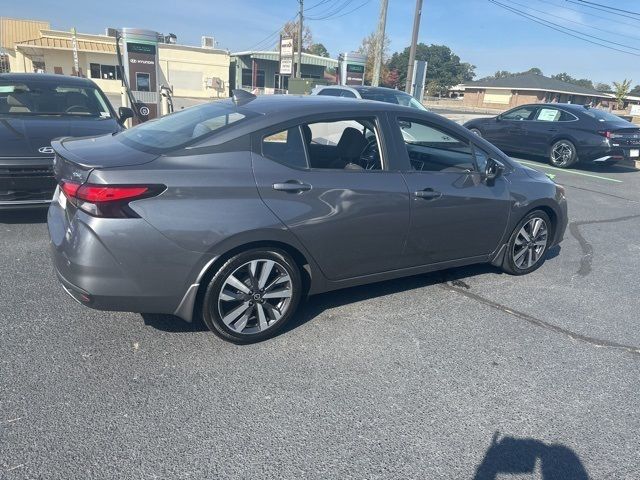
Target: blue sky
x=478, y=31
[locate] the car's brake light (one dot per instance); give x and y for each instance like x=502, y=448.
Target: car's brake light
x=110, y=201
x=605, y=133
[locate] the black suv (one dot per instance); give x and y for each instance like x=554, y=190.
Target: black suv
x=34, y=109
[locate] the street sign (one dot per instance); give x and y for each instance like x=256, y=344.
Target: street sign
x=74, y=48
x=286, y=56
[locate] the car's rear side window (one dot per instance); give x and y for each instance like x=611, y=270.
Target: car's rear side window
x=285, y=147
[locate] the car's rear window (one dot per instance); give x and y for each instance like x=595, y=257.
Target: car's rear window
x=184, y=127
x=602, y=116
x=43, y=98
x=398, y=98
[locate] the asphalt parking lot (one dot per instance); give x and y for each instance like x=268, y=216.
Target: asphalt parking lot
x=467, y=373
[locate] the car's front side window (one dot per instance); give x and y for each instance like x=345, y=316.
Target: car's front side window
x=523, y=113
x=433, y=149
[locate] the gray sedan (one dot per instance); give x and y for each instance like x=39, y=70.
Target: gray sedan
x=232, y=212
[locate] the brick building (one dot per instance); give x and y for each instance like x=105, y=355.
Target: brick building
x=508, y=92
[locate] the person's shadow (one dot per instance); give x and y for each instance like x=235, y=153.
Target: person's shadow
x=510, y=455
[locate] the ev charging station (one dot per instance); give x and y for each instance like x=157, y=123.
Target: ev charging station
x=138, y=57
x=351, y=67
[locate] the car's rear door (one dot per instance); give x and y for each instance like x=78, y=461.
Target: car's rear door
x=455, y=213
x=352, y=221
x=547, y=124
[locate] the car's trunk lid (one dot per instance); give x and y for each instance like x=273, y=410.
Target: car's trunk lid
x=623, y=134
x=76, y=157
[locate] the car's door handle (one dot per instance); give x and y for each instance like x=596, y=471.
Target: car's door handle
x=552, y=129
x=427, y=194
x=292, y=186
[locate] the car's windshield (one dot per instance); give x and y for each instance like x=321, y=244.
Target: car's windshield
x=48, y=98
x=185, y=126
x=399, y=98
x=603, y=116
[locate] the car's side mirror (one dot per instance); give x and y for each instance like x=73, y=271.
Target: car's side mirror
x=493, y=170
x=124, y=113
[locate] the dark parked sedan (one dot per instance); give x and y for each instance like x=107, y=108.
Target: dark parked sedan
x=34, y=109
x=234, y=211
x=563, y=133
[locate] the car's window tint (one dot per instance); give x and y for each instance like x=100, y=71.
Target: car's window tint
x=350, y=144
x=546, y=114
x=184, y=127
x=523, y=113
x=398, y=98
x=567, y=117
x=432, y=149
x=42, y=98
x=330, y=92
x=285, y=147
x=602, y=116
x=347, y=94
x=481, y=158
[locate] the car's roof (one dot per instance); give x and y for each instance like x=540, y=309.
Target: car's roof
x=566, y=106
x=293, y=105
x=367, y=88
x=45, y=78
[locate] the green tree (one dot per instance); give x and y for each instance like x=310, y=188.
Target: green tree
x=621, y=90
x=444, y=68
x=505, y=73
x=318, y=49
x=391, y=79
x=635, y=91
x=565, y=77
x=604, y=87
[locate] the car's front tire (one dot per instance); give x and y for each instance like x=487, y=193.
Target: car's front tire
x=528, y=244
x=475, y=131
x=563, y=154
x=252, y=296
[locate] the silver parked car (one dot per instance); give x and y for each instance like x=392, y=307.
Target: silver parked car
x=234, y=211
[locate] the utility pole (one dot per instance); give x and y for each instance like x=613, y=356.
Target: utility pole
x=414, y=42
x=299, y=67
x=379, y=47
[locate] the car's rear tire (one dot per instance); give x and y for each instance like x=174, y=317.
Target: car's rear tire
x=563, y=154
x=528, y=244
x=475, y=131
x=252, y=296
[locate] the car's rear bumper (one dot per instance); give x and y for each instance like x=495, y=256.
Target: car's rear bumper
x=119, y=264
x=26, y=182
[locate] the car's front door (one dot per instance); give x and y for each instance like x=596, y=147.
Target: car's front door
x=455, y=212
x=512, y=129
x=330, y=184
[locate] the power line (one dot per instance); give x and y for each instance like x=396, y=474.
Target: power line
x=582, y=12
x=602, y=9
x=329, y=14
x=610, y=7
x=318, y=4
x=561, y=29
x=266, y=40
x=574, y=21
x=343, y=14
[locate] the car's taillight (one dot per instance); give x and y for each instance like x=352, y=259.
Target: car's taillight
x=605, y=133
x=110, y=201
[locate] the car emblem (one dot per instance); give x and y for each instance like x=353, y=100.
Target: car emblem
x=45, y=149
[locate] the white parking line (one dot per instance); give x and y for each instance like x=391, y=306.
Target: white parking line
x=573, y=172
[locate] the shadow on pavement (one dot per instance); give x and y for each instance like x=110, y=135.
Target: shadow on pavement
x=315, y=305
x=36, y=215
x=583, y=167
x=510, y=455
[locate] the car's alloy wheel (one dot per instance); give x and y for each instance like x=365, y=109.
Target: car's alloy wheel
x=252, y=296
x=528, y=244
x=563, y=154
x=531, y=243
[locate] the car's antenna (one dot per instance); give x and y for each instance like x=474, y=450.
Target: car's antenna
x=240, y=97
